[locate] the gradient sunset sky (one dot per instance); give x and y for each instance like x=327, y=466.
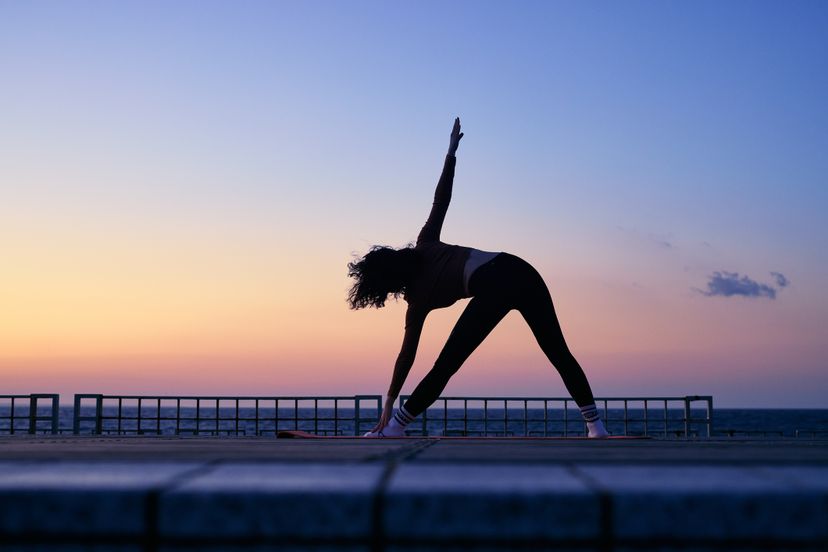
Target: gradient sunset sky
x=183, y=183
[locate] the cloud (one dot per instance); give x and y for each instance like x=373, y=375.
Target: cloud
x=730, y=284
x=663, y=241
x=781, y=281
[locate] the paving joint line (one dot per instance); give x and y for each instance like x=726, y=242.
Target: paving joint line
x=416, y=448
x=378, y=506
x=152, y=537
x=393, y=460
x=606, y=535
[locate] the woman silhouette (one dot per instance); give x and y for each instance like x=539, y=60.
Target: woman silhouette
x=433, y=275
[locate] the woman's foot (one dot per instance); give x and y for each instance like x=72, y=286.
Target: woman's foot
x=393, y=429
x=596, y=430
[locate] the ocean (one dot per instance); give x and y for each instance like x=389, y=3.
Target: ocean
x=726, y=422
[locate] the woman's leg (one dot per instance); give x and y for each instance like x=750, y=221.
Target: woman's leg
x=535, y=304
x=481, y=316
x=537, y=309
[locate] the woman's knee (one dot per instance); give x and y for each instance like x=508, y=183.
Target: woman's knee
x=565, y=362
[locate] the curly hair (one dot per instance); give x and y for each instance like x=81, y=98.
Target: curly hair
x=380, y=272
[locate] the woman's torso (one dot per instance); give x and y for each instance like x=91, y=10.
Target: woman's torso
x=443, y=275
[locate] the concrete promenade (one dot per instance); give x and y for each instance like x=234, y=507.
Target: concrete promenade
x=61, y=493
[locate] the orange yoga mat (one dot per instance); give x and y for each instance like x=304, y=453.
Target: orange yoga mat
x=296, y=434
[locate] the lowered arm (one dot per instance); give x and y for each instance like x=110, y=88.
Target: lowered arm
x=414, y=320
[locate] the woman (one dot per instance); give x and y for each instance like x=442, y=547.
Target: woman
x=433, y=275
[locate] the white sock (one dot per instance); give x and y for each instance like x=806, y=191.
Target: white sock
x=593, y=421
x=393, y=429
x=396, y=427
x=402, y=417
x=590, y=412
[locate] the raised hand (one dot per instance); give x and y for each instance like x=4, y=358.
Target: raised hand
x=454, y=141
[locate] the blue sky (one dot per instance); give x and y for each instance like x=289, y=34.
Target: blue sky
x=636, y=147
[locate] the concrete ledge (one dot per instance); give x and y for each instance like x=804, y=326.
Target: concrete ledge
x=291, y=501
x=41, y=500
x=485, y=502
x=397, y=501
x=712, y=503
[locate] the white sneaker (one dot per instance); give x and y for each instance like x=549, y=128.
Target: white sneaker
x=597, y=430
x=392, y=430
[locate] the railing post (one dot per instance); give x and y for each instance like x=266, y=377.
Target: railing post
x=687, y=417
x=99, y=414
x=55, y=414
x=356, y=416
x=76, y=415
x=709, y=416
x=32, y=414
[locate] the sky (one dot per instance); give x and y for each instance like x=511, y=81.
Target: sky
x=182, y=185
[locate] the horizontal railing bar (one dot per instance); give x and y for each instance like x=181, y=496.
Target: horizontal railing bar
x=230, y=397
x=675, y=398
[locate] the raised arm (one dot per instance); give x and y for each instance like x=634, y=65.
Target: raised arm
x=442, y=195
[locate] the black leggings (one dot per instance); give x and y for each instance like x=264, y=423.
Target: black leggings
x=500, y=285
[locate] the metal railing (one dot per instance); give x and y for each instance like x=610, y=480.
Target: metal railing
x=222, y=415
x=663, y=417
x=27, y=413
x=560, y=417
x=666, y=417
